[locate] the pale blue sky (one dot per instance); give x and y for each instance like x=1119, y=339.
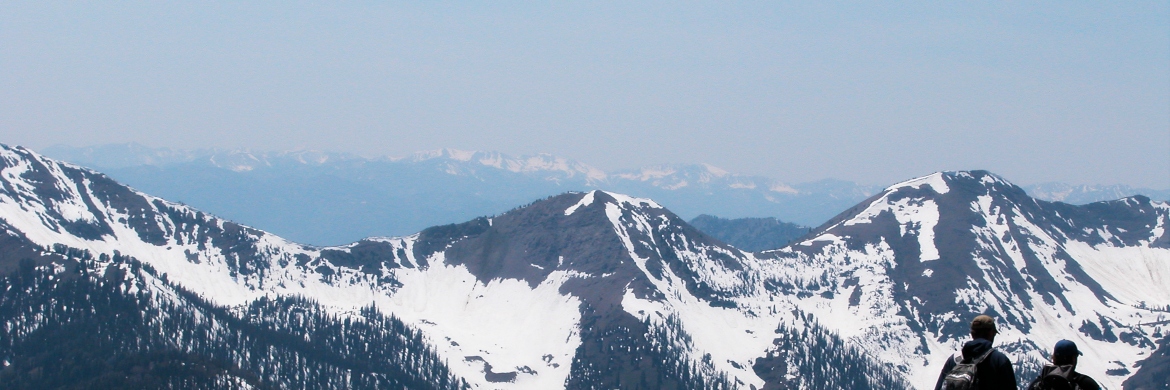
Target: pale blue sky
x=1077, y=92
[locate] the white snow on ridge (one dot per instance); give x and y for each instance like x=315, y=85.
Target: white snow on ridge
x=584, y=202
x=936, y=181
x=915, y=216
x=636, y=202
x=619, y=198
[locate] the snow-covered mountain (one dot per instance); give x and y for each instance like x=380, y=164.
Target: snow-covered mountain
x=903, y=273
x=336, y=198
x=583, y=290
x=594, y=289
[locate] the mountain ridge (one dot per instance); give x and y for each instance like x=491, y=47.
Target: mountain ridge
x=581, y=289
x=302, y=195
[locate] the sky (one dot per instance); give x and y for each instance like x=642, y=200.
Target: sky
x=872, y=92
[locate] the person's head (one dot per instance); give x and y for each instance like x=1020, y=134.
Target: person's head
x=1065, y=353
x=983, y=327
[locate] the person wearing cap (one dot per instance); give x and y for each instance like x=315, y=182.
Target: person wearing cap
x=1064, y=364
x=995, y=371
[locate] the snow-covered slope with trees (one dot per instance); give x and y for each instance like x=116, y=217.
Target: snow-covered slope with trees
x=597, y=289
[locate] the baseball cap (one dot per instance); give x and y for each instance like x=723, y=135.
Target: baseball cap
x=1066, y=348
x=983, y=322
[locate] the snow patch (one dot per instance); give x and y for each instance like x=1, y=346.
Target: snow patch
x=915, y=216
x=505, y=322
x=936, y=181
x=584, y=202
x=1131, y=274
x=636, y=202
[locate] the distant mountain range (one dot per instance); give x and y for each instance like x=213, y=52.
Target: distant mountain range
x=335, y=198
x=579, y=290
x=1085, y=194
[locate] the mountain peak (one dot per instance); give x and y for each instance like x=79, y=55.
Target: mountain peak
x=609, y=197
x=590, y=233
x=924, y=195
x=941, y=182
x=953, y=244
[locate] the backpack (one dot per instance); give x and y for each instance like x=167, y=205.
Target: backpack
x=962, y=376
x=1056, y=378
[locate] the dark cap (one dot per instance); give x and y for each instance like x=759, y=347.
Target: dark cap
x=983, y=323
x=1066, y=348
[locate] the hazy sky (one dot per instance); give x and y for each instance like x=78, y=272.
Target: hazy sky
x=876, y=92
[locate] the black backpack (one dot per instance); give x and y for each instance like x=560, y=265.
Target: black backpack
x=1056, y=378
x=962, y=376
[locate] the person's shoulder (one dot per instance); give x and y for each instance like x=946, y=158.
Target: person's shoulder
x=999, y=357
x=1086, y=383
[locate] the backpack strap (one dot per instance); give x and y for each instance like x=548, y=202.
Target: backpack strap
x=985, y=355
x=959, y=357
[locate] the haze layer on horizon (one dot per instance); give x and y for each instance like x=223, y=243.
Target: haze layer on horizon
x=875, y=93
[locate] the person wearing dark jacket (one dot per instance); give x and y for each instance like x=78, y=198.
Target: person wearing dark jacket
x=995, y=372
x=1064, y=356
